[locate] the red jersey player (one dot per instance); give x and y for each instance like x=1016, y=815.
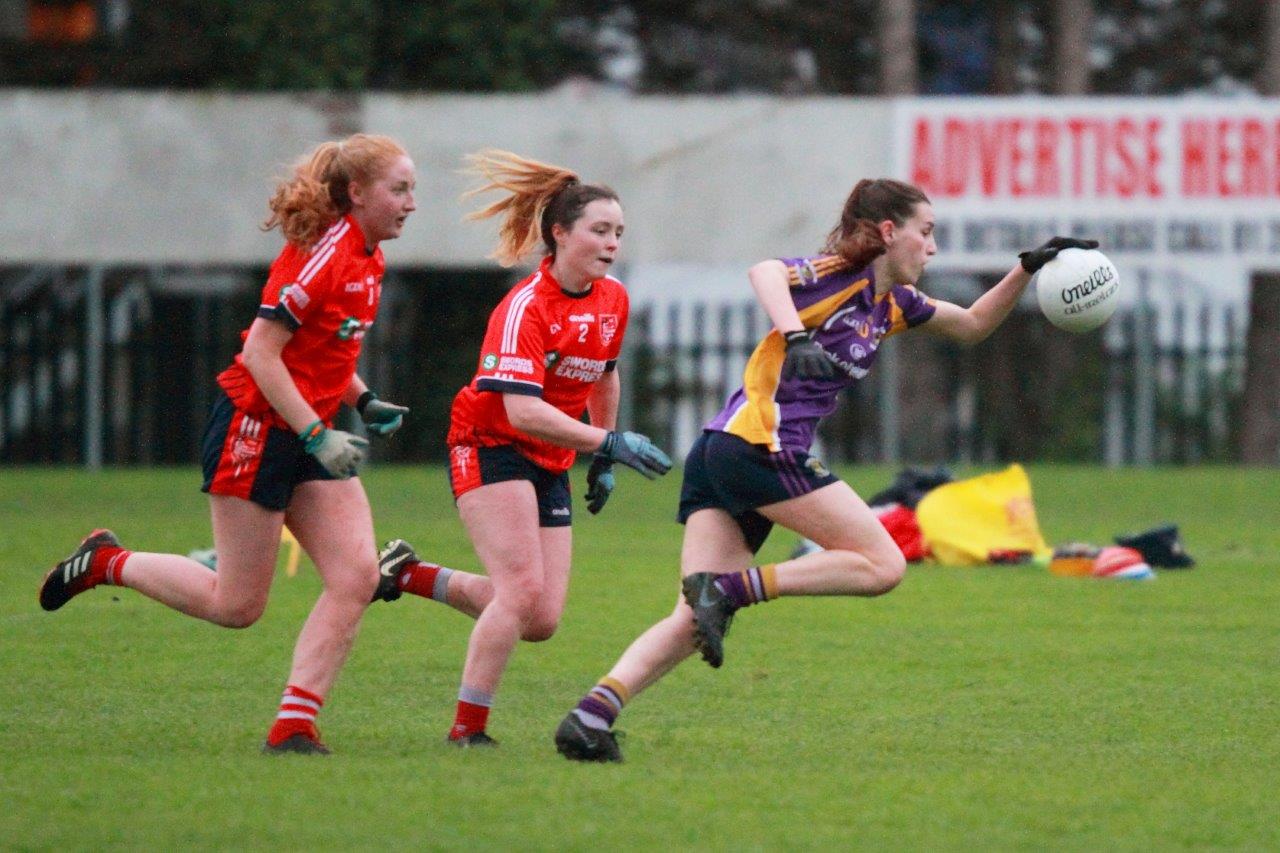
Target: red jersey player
x=270, y=453
x=548, y=356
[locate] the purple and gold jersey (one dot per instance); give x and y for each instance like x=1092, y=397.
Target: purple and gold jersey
x=848, y=320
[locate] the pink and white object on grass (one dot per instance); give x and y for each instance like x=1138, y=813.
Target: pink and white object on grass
x=1121, y=564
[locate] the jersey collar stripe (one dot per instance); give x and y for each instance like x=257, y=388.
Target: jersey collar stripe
x=317, y=263
x=326, y=244
x=511, y=329
x=330, y=238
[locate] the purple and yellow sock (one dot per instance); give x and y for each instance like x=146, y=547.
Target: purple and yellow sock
x=602, y=705
x=754, y=586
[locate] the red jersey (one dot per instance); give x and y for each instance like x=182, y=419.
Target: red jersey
x=548, y=343
x=328, y=295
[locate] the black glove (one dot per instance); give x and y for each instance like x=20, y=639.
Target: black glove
x=805, y=359
x=600, y=483
x=1033, y=260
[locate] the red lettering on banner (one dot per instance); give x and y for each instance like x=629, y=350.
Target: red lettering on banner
x=1016, y=188
x=1275, y=160
x=1230, y=158
x=1224, y=158
x=1195, y=157
x=1253, y=170
x=990, y=143
x=923, y=158
x=1075, y=127
x=955, y=157
x=1072, y=156
x=1126, y=179
x=1101, y=145
x=1220, y=154
x=1046, y=158
x=1152, y=136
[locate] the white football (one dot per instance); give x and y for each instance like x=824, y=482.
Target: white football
x=1078, y=290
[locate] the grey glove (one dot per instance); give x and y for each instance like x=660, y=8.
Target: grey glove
x=379, y=416
x=600, y=483
x=340, y=453
x=635, y=451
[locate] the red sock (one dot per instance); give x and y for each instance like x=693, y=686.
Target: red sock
x=111, y=561
x=297, y=715
x=471, y=718
x=419, y=578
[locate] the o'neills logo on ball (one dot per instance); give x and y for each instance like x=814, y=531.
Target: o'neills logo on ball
x=1097, y=279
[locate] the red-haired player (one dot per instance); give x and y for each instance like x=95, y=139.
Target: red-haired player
x=270, y=454
x=549, y=355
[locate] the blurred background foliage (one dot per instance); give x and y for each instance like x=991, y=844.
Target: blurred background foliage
x=669, y=46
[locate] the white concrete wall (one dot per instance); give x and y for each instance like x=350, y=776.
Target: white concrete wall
x=183, y=178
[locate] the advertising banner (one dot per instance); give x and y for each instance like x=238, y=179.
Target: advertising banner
x=1186, y=190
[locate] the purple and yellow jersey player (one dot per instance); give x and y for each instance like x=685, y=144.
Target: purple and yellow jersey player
x=750, y=468
x=848, y=319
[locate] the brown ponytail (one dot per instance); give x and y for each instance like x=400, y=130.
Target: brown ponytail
x=857, y=237
x=316, y=195
x=539, y=196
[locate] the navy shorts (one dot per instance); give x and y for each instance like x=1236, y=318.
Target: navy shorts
x=723, y=471
x=245, y=458
x=471, y=467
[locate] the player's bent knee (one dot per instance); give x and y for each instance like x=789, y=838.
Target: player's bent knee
x=888, y=571
x=239, y=615
x=521, y=599
x=355, y=585
x=540, y=630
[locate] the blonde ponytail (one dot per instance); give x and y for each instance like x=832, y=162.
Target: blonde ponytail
x=529, y=186
x=538, y=197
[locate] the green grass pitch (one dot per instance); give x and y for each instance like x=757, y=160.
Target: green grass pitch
x=997, y=708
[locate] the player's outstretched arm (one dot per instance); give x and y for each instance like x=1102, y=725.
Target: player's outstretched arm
x=973, y=324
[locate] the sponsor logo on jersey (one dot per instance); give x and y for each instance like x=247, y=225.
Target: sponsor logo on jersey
x=354, y=286
x=296, y=294
x=580, y=368
x=850, y=368
x=352, y=329
x=608, y=327
x=489, y=361
x=582, y=318
x=515, y=364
